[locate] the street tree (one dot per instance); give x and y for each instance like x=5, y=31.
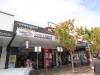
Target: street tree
x=86, y=36
x=95, y=32
x=92, y=36
x=64, y=36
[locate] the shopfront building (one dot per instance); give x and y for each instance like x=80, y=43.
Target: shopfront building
x=20, y=41
x=35, y=36
x=6, y=34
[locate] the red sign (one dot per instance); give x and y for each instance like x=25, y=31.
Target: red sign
x=49, y=30
x=46, y=58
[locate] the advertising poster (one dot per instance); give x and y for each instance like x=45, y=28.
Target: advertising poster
x=46, y=58
x=12, y=61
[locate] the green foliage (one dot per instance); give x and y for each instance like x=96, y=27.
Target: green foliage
x=92, y=35
x=95, y=32
x=63, y=34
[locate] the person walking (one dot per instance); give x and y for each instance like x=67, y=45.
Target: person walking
x=95, y=64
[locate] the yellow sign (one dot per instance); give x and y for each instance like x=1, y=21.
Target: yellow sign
x=12, y=59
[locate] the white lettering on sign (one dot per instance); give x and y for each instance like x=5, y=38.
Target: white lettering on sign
x=23, y=25
x=40, y=35
x=30, y=33
x=5, y=34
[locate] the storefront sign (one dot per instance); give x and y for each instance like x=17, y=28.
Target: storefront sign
x=25, y=32
x=28, y=30
x=82, y=43
x=30, y=33
x=41, y=35
x=6, y=33
x=21, y=25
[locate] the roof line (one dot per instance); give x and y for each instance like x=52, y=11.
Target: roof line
x=6, y=13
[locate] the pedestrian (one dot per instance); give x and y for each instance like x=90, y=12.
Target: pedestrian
x=28, y=63
x=75, y=60
x=81, y=60
x=95, y=64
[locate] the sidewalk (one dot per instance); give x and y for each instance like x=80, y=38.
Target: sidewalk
x=85, y=70
x=89, y=73
x=66, y=70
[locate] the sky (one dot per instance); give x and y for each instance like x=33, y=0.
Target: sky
x=39, y=12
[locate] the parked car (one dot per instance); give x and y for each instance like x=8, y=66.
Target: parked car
x=18, y=71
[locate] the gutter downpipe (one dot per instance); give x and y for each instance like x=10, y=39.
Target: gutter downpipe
x=8, y=47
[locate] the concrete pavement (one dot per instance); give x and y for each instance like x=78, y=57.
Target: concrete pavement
x=66, y=70
x=78, y=71
x=88, y=73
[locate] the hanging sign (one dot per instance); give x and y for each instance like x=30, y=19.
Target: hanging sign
x=24, y=45
x=37, y=48
x=59, y=49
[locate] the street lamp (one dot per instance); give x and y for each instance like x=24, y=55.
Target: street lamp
x=37, y=49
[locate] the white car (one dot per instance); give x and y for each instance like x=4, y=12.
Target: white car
x=18, y=71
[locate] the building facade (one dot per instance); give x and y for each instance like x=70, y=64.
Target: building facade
x=19, y=41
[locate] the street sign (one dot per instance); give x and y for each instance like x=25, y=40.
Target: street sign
x=59, y=49
x=37, y=48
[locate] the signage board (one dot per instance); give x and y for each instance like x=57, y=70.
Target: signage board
x=37, y=48
x=28, y=30
x=24, y=45
x=46, y=58
x=30, y=33
x=12, y=61
x=49, y=30
x=59, y=49
x=21, y=25
x=42, y=35
x=6, y=33
x=82, y=43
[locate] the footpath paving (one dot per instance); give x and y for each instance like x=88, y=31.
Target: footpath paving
x=66, y=70
x=88, y=73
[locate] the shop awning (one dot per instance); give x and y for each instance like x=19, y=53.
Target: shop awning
x=33, y=41
x=5, y=37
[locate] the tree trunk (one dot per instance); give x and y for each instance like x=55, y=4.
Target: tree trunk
x=72, y=62
x=90, y=53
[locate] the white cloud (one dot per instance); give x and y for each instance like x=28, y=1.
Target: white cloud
x=42, y=11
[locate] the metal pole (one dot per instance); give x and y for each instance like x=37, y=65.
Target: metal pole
x=72, y=63
x=60, y=62
x=37, y=60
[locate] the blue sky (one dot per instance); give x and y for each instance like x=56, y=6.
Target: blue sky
x=38, y=12
x=92, y=5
